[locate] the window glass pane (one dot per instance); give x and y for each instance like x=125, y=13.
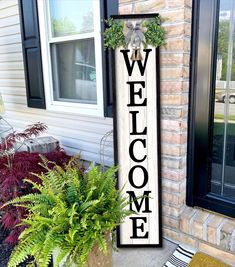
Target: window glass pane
x=223, y=157
x=70, y=17
x=74, y=71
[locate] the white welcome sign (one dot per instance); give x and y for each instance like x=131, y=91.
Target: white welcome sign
x=137, y=142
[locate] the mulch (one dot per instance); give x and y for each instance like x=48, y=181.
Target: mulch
x=5, y=250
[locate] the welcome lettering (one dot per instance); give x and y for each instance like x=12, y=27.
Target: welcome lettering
x=136, y=99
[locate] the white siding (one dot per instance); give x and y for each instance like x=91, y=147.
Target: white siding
x=76, y=133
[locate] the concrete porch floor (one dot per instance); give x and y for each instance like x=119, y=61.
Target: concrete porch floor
x=143, y=257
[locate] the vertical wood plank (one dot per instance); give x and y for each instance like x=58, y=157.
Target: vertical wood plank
x=147, y=116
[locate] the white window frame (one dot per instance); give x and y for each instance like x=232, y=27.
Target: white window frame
x=46, y=38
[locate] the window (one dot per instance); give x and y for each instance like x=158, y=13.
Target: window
x=70, y=34
x=64, y=57
x=211, y=137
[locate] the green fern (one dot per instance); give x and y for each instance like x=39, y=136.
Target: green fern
x=71, y=212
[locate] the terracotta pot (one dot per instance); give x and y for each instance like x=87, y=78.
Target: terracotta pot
x=96, y=258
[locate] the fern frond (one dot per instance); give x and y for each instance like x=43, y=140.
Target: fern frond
x=45, y=163
x=62, y=255
x=80, y=257
x=102, y=243
x=84, y=206
x=72, y=191
x=35, y=185
x=52, y=239
x=33, y=198
x=19, y=255
x=26, y=248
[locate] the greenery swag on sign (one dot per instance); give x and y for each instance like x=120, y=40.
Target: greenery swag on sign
x=137, y=123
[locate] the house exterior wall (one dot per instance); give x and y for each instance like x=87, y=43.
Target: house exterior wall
x=206, y=231
x=76, y=133
x=209, y=232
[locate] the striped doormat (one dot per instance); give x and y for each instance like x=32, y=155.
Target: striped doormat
x=180, y=258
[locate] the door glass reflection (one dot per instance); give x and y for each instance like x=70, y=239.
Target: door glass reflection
x=223, y=156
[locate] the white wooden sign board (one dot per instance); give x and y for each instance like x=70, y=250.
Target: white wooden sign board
x=137, y=143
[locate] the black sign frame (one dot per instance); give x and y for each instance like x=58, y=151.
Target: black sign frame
x=116, y=152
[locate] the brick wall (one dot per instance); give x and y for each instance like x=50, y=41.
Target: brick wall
x=208, y=232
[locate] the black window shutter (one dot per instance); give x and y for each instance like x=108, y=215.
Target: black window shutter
x=32, y=53
x=108, y=9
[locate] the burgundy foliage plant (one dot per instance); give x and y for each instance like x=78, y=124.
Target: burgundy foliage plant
x=30, y=132
x=22, y=165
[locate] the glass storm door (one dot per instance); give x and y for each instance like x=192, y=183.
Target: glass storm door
x=223, y=145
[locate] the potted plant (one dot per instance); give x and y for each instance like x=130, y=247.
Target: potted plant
x=73, y=212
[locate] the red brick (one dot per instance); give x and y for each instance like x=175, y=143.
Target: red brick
x=174, y=73
x=185, y=219
x=186, y=59
x=173, y=186
x=173, y=199
x=228, y=227
x=175, y=175
x=174, y=125
x=174, y=112
x=149, y=6
x=178, y=3
x=173, y=15
x=172, y=87
x=174, y=162
x=174, y=138
x=212, y=226
x=186, y=86
x=171, y=222
x=171, y=211
x=188, y=14
x=169, y=59
x=174, y=44
x=175, y=30
x=174, y=235
x=198, y=223
x=174, y=99
x=173, y=150
x=125, y=9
